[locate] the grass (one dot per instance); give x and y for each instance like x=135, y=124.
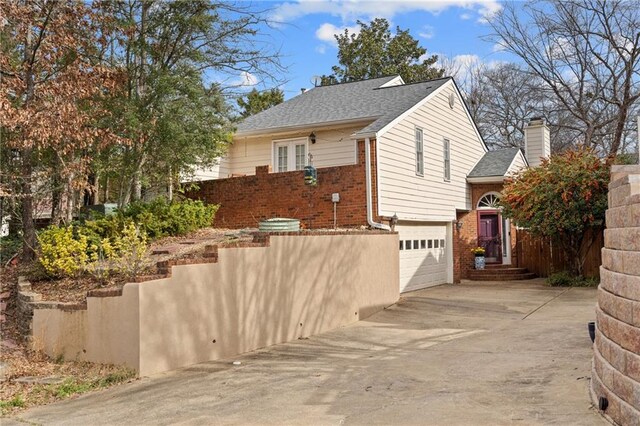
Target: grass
x=43, y=394
x=15, y=402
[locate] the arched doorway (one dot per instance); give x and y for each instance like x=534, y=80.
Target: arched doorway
x=494, y=230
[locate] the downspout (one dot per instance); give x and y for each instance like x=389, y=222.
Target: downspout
x=367, y=157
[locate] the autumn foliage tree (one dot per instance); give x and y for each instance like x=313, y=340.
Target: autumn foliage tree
x=565, y=199
x=50, y=96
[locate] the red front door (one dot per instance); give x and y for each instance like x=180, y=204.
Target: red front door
x=489, y=236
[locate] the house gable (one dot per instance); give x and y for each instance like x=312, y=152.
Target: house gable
x=429, y=197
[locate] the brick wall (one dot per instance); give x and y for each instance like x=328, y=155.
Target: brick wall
x=616, y=361
x=245, y=201
x=467, y=237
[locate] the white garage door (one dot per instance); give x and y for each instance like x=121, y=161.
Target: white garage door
x=423, y=255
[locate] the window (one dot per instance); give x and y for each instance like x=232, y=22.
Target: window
x=407, y=245
x=423, y=244
x=401, y=244
x=283, y=161
x=489, y=201
x=290, y=155
x=441, y=243
x=419, y=153
x=430, y=243
x=435, y=243
x=447, y=159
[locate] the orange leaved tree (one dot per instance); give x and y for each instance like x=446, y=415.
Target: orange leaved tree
x=561, y=199
x=50, y=92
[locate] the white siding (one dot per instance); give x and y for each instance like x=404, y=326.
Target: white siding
x=537, y=143
x=219, y=171
x=517, y=165
x=333, y=147
x=428, y=197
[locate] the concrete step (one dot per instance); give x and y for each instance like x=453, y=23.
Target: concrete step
x=501, y=277
x=506, y=271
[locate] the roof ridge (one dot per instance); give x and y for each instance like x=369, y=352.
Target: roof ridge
x=414, y=83
x=356, y=81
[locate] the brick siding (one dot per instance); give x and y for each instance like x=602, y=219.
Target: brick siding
x=467, y=237
x=245, y=201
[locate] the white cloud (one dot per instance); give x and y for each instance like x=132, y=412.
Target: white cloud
x=321, y=49
x=245, y=79
x=487, y=11
x=350, y=10
x=327, y=32
x=427, y=32
x=462, y=67
x=498, y=47
x=465, y=16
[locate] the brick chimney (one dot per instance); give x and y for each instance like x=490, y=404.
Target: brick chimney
x=537, y=141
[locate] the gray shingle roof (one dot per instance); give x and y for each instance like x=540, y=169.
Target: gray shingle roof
x=342, y=102
x=494, y=163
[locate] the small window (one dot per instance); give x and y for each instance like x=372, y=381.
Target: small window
x=447, y=159
x=401, y=244
x=441, y=243
x=436, y=244
x=407, y=245
x=423, y=244
x=283, y=161
x=415, y=244
x=430, y=243
x=301, y=156
x=419, y=153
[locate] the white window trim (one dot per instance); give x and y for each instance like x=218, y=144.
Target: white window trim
x=446, y=150
x=290, y=141
x=415, y=149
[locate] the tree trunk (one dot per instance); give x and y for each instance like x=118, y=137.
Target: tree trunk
x=28, y=225
x=170, y=186
x=56, y=197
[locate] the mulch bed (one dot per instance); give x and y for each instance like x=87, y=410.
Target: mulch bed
x=191, y=246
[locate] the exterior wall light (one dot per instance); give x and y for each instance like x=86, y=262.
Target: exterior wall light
x=459, y=224
x=393, y=222
x=312, y=137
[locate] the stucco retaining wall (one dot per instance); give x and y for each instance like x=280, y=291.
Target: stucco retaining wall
x=616, y=362
x=292, y=286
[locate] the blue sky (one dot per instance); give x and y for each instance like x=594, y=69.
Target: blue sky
x=451, y=28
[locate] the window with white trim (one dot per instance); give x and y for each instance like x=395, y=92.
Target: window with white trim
x=446, y=154
x=289, y=155
x=419, y=152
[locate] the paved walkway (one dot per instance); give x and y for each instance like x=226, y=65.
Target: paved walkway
x=470, y=354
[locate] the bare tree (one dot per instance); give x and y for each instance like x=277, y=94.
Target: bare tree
x=586, y=54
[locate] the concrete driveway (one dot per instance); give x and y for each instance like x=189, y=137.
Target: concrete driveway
x=481, y=353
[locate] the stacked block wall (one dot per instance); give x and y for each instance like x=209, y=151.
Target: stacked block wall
x=616, y=361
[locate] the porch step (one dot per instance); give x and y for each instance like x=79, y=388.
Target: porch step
x=500, y=273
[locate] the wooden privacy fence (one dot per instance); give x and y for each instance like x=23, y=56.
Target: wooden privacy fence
x=543, y=257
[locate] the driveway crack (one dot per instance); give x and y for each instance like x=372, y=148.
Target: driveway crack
x=545, y=303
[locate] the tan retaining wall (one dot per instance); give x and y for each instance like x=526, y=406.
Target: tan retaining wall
x=296, y=286
x=616, y=362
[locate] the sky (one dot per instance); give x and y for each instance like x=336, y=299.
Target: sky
x=304, y=29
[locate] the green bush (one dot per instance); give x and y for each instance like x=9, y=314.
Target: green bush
x=9, y=246
x=160, y=218
x=565, y=279
x=62, y=253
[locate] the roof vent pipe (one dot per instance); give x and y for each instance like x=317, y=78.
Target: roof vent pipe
x=367, y=157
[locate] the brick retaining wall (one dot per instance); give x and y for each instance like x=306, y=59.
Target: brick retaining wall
x=616, y=362
x=245, y=201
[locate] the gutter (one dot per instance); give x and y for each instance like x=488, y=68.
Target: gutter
x=367, y=155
